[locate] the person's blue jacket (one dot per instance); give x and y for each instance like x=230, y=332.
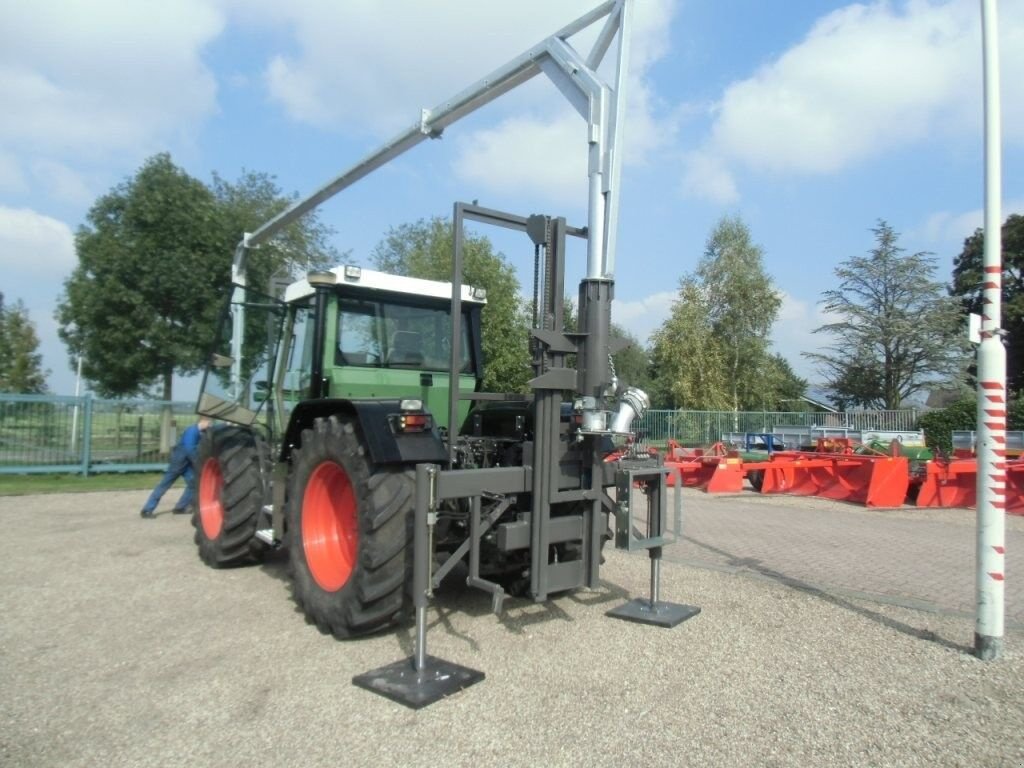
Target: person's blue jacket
x=189, y=441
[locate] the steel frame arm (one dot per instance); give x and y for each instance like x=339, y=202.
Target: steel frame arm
x=575, y=76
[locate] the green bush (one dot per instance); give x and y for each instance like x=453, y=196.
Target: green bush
x=940, y=424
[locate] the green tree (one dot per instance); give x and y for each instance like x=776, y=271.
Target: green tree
x=154, y=264
x=743, y=304
x=424, y=250
x=687, y=360
x=299, y=248
x=632, y=363
x=713, y=351
x=967, y=286
x=21, y=364
x=781, y=387
x=896, y=333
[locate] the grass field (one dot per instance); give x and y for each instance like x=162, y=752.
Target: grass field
x=23, y=485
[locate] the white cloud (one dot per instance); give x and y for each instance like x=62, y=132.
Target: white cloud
x=642, y=317
x=33, y=245
x=544, y=157
x=11, y=177
x=793, y=333
x=866, y=79
x=356, y=69
x=707, y=177
x=112, y=76
x=62, y=182
x=946, y=227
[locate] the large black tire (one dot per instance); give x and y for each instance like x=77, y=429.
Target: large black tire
x=349, y=532
x=232, y=474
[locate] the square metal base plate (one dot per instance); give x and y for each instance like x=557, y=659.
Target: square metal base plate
x=660, y=614
x=401, y=682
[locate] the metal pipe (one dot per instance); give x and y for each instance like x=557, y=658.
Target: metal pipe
x=991, y=515
x=655, y=577
x=420, y=564
x=433, y=121
x=454, y=367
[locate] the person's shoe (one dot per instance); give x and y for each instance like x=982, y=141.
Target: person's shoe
x=148, y=514
x=180, y=511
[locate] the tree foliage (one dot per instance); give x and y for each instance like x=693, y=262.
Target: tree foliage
x=713, y=351
x=967, y=287
x=253, y=200
x=21, y=364
x=938, y=425
x=154, y=265
x=687, y=363
x=424, y=249
x=632, y=362
x=895, y=332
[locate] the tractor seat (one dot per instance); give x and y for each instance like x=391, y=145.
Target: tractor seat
x=406, y=349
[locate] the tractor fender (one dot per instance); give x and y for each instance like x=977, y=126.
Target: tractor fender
x=383, y=443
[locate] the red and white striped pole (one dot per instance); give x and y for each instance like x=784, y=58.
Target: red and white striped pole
x=991, y=546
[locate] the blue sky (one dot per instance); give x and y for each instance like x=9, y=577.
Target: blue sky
x=811, y=120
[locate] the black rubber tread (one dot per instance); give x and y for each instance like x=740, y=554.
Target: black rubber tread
x=377, y=593
x=244, y=459
x=756, y=478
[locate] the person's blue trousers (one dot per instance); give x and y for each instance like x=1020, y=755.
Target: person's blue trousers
x=180, y=466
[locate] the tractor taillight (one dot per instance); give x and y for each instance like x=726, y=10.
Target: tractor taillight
x=411, y=422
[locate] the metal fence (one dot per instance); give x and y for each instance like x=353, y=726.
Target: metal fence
x=48, y=433
x=703, y=428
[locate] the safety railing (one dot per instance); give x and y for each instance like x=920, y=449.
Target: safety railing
x=702, y=428
x=49, y=433
x=56, y=434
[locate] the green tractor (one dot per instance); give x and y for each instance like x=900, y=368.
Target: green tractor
x=341, y=384
x=358, y=436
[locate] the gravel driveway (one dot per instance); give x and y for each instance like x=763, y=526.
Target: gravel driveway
x=118, y=647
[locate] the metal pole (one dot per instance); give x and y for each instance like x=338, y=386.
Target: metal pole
x=991, y=543
x=421, y=558
x=74, y=412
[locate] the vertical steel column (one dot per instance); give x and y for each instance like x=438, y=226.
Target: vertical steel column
x=426, y=475
x=991, y=541
x=455, y=370
x=595, y=318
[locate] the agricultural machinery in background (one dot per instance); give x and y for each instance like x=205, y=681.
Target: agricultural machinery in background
x=877, y=468
x=360, y=438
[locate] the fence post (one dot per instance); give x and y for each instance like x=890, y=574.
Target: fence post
x=87, y=435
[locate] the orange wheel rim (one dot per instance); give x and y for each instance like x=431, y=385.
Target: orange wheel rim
x=330, y=526
x=211, y=508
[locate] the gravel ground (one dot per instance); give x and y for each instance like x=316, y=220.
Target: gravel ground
x=119, y=648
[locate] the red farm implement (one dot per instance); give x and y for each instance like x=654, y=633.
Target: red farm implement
x=872, y=480
x=954, y=483
x=714, y=470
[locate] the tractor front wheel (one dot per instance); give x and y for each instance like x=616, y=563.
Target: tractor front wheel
x=349, y=532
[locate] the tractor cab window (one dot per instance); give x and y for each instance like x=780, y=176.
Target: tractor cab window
x=398, y=334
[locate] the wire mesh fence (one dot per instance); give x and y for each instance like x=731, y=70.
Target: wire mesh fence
x=49, y=433
x=703, y=428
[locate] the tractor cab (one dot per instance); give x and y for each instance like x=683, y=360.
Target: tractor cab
x=347, y=333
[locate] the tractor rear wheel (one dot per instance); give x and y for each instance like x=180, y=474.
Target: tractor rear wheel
x=231, y=482
x=349, y=532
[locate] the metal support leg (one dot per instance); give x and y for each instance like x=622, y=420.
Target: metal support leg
x=653, y=610
x=421, y=679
